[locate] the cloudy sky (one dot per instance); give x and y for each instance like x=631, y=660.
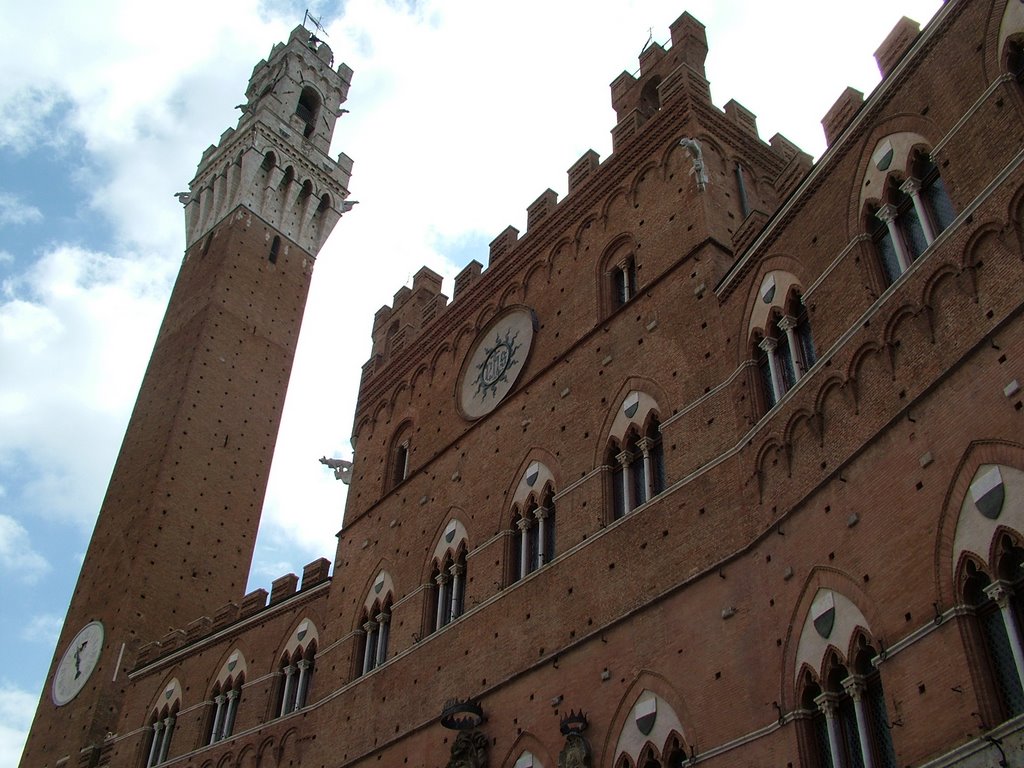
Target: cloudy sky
x=462, y=113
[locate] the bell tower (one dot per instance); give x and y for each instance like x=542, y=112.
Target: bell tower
x=174, y=537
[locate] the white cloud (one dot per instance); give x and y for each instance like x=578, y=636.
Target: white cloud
x=80, y=324
x=14, y=211
x=17, y=557
x=42, y=629
x=17, y=707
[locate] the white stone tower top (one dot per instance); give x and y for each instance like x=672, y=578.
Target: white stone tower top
x=275, y=162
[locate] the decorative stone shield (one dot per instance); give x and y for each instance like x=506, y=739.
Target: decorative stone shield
x=823, y=609
x=988, y=493
x=768, y=289
x=532, y=473
x=300, y=634
x=378, y=583
x=630, y=404
x=646, y=712
x=232, y=661
x=449, y=532
x=882, y=158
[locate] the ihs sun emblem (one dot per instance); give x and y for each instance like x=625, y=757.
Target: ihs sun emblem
x=497, y=362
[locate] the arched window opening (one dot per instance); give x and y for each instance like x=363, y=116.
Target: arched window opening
x=533, y=535
x=889, y=259
x=623, y=282
x=857, y=732
x=225, y=700
x=376, y=622
x=997, y=619
x=400, y=465
x=816, y=729
x=275, y=248
x=785, y=353
x=915, y=212
x=296, y=670
x=650, y=100
x=867, y=683
x=1015, y=60
x=308, y=109
x=638, y=469
x=932, y=203
x=449, y=589
x=161, y=725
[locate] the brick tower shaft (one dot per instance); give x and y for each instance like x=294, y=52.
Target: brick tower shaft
x=175, y=534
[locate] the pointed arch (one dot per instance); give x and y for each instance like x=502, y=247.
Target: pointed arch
x=633, y=715
x=960, y=526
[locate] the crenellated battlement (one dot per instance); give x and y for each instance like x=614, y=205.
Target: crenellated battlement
x=410, y=311
x=314, y=574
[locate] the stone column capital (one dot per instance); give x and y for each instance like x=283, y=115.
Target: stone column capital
x=1000, y=591
x=369, y=626
x=646, y=445
x=541, y=513
x=856, y=686
x=383, y=618
x=828, y=703
x=787, y=323
x=887, y=213
x=768, y=344
x=911, y=186
x=625, y=458
x=523, y=523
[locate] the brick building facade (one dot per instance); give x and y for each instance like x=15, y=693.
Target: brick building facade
x=719, y=462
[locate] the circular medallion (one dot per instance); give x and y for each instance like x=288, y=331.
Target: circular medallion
x=77, y=663
x=495, y=362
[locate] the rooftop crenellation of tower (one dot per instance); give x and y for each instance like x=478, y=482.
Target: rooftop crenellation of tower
x=275, y=161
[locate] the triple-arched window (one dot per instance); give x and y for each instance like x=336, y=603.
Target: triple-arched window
x=448, y=588
x=227, y=696
x=638, y=467
x=912, y=212
x=533, y=533
x=161, y=728
x=376, y=623
x=848, y=722
x=296, y=671
x=784, y=350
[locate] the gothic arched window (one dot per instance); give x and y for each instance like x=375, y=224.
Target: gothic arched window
x=784, y=350
x=448, y=590
x=226, y=699
x=623, y=277
x=308, y=109
x=161, y=727
x=296, y=672
x=376, y=623
x=913, y=213
x=997, y=620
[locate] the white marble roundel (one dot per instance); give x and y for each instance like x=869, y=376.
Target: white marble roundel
x=495, y=361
